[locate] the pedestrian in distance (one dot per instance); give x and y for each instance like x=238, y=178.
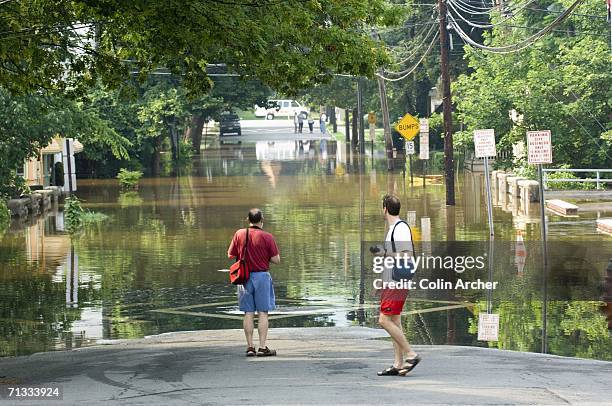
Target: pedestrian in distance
x=300, y=122
x=398, y=241
x=322, y=121
x=310, y=122
x=257, y=294
x=295, y=122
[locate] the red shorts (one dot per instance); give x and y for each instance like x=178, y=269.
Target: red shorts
x=392, y=301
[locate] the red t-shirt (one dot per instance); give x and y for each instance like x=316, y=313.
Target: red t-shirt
x=261, y=248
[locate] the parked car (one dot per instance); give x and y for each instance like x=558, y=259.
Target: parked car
x=229, y=123
x=280, y=108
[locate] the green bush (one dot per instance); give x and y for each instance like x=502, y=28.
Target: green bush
x=565, y=185
x=73, y=214
x=93, y=217
x=129, y=179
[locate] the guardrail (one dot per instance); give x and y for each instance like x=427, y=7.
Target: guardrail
x=598, y=179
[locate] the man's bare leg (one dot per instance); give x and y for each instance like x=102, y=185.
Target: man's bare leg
x=262, y=328
x=397, y=319
x=249, y=325
x=392, y=324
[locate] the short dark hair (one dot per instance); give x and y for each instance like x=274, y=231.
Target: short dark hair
x=392, y=204
x=255, y=216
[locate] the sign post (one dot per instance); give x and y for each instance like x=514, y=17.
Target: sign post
x=424, y=144
x=69, y=165
x=539, y=151
x=484, y=147
x=410, y=153
x=372, y=123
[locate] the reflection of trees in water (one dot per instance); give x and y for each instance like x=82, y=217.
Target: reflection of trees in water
x=33, y=312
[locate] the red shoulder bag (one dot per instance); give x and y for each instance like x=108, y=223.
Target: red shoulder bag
x=239, y=271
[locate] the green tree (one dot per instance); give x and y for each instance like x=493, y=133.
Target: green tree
x=561, y=83
x=32, y=121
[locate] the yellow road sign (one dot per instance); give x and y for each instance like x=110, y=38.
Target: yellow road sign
x=372, y=117
x=408, y=127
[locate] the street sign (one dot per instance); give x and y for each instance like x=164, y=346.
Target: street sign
x=484, y=143
x=424, y=125
x=424, y=146
x=410, y=147
x=408, y=127
x=372, y=117
x=539, y=147
x=488, y=327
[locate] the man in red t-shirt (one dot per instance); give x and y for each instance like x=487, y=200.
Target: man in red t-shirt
x=257, y=295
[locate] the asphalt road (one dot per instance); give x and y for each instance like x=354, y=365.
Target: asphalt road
x=274, y=130
x=322, y=366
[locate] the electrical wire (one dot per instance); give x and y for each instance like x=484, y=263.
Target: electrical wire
x=407, y=72
x=418, y=47
x=520, y=45
x=452, y=6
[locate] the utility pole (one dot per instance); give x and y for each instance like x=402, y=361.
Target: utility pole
x=360, y=115
x=355, y=138
x=384, y=107
x=347, y=131
x=449, y=170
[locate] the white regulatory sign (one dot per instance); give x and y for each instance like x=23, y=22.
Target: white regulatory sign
x=539, y=147
x=488, y=327
x=423, y=125
x=484, y=143
x=410, y=147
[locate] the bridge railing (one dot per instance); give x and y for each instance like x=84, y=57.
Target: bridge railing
x=598, y=178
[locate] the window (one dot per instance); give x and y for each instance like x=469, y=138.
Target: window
x=294, y=103
x=285, y=104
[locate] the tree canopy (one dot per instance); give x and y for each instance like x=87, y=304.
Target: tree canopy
x=69, y=45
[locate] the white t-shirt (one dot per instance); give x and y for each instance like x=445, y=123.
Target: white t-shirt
x=403, y=242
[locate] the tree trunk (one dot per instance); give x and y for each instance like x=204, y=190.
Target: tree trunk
x=156, y=161
x=194, y=131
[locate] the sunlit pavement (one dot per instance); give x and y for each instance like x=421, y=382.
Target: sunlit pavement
x=274, y=130
x=314, y=366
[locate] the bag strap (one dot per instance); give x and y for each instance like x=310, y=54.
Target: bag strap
x=245, y=248
x=411, y=239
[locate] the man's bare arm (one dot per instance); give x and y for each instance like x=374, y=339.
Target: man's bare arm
x=275, y=259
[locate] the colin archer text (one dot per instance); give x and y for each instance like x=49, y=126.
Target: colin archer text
x=440, y=284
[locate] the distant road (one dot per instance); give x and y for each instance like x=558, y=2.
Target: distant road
x=275, y=130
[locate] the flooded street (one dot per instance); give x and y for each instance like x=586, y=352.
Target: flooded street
x=154, y=266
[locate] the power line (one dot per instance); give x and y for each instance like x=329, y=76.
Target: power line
x=407, y=58
x=407, y=72
x=521, y=44
x=452, y=5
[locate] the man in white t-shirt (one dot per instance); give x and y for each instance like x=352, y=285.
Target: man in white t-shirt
x=397, y=241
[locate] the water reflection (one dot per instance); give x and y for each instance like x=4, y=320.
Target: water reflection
x=153, y=267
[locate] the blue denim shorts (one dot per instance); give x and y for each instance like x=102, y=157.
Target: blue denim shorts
x=257, y=295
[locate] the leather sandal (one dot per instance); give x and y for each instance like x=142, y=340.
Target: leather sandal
x=266, y=352
x=412, y=363
x=391, y=371
x=250, y=352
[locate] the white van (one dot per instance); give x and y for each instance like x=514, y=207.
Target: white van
x=280, y=108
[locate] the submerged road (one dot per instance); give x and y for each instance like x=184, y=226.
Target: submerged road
x=321, y=366
x=274, y=130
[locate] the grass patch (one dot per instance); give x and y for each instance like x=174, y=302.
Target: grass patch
x=92, y=217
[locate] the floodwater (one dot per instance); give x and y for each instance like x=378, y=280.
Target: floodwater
x=154, y=265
